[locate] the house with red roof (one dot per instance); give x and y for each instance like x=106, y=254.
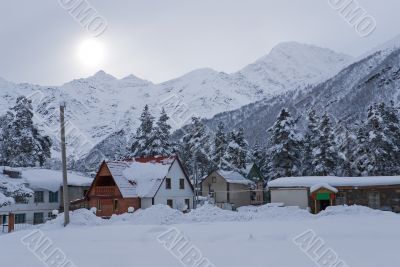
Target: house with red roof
x=139, y=183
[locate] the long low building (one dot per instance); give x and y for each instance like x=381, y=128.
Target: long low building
x=44, y=190
x=319, y=192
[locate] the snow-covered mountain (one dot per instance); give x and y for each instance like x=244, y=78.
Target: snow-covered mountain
x=293, y=65
x=347, y=96
x=101, y=105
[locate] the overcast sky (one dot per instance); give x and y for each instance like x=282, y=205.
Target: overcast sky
x=163, y=39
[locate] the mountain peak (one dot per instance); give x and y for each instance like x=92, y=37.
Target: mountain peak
x=135, y=81
x=102, y=75
x=292, y=65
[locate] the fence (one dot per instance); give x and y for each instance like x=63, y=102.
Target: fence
x=15, y=222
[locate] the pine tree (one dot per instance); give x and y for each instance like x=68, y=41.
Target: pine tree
x=360, y=157
x=325, y=155
x=392, y=132
x=258, y=157
x=310, y=143
x=23, y=145
x=285, y=148
x=381, y=134
x=346, y=145
x=142, y=144
x=161, y=145
x=243, y=150
x=195, y=148
x=220, y=145
x=236, y=154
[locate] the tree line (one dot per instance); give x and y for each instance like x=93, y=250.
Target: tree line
x=198, y=149
x=369, y=148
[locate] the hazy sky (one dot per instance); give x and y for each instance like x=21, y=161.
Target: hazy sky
x=163, y=39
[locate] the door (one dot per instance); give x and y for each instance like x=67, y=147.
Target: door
x=4, y=223
x=323, y=204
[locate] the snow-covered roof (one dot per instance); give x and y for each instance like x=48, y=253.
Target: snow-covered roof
x=38, y=178
x=324, y=185
x=138, y=178
x=234, y=177
x=52, y=179
x=333, y=181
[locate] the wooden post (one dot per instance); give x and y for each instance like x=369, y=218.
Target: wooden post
x=64, y=166
x=11, y=222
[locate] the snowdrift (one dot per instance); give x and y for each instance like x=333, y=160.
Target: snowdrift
x=164, y=215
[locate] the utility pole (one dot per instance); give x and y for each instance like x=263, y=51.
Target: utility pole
x=196, y=183
x=64, y=165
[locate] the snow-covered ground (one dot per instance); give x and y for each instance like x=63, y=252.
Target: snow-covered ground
x=253, y=236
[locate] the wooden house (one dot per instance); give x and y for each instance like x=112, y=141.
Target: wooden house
x=138, y=183
x=317, y=193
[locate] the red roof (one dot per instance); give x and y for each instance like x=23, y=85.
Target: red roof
x=155, y=159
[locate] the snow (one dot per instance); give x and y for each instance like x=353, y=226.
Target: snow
x=100, y=105
x=360, y=236
x=5, y=201
x=333, y=181
x=139, y=179
x=234, y=177
x=52, y=179
x=323, y=185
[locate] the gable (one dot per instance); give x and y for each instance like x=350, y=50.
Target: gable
x=219, y=179
x=103, y=178
x=175, y=173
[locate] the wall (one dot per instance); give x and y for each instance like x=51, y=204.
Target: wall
x=74, y=192
x=290, y=197
x=107, y=205
x=389, y=197
x=220, y=187
x=177, y=195
x=239, y=195
x=31, y=207
x=146, y=202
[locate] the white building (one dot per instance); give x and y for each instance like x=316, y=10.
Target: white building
x=46, y=188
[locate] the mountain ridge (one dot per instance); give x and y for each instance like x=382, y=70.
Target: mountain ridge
x=100, y=105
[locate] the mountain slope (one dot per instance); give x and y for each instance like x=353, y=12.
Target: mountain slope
x=293, y=65
x=101, y=105
x=346, y=97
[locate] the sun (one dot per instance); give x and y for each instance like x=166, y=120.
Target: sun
x=91, y=52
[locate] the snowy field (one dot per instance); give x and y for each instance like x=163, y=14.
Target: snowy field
x=253, y=236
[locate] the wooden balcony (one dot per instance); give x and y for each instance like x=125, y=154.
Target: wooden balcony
x=106, y=191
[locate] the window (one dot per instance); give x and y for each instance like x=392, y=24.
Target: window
x=168, y=183
x=21, y=200
x=187, y=203
x=39, y=196
x=214, y=180
x=170, y=203
x=115, y=204
x=85, y=192
x=20, y=218
x=53, y=197
x=98, y=205
x=38, y=218
x=181, y=183
x=374, y=200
